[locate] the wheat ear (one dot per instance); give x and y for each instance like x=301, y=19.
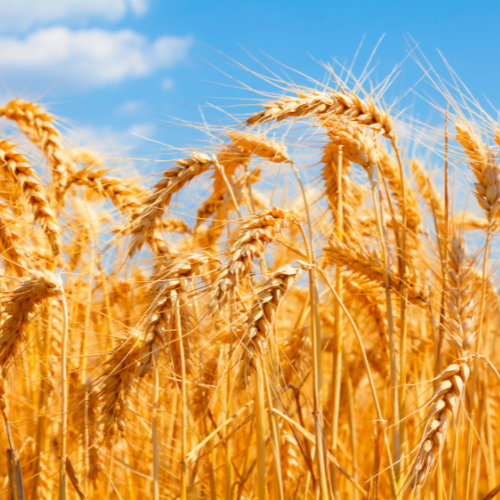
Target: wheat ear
x=325, y=105
x=116, y=386
x=96, y=455
x=390, y=170
x=230, y=159
x=484, y=165
x=352, y=194
x=19, y=305
x=10, y=241
x=38, y=125
x=260, y=146
x=462, y=328
x=369, y=264
x=126, y=196
x=168, y=286
x=26, y=179
x=260, y=229
x=431, y=196
x=263, y=314
x=172, y=182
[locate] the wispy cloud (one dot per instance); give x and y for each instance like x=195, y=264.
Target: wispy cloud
x=21, y=15
x=103, y=139
x=85, y=59
x=167, y=84
x=131, y=107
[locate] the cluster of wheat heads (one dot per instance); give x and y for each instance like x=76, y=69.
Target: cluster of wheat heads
x=295, y=311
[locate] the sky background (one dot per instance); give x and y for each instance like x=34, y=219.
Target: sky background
x=115, y=68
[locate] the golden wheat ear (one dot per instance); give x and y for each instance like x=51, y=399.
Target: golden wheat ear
x=25, y=178
x=38, y=125
x=172, y=182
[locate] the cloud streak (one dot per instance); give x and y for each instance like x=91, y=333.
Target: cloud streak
x=86, y=59
x=21, y=15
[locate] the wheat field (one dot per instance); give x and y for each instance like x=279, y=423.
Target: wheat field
x=303, y=306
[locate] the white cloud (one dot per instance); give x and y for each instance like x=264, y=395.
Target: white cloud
x=86, y=58
x=167, y=84
x=109, y=140
x=21, y=15
x=130, y=107
x=146, y=130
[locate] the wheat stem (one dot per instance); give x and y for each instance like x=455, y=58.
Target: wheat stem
x=260, y=430
x=64, y=401
x=392, y=343
x=475, y=368
x=154, y=424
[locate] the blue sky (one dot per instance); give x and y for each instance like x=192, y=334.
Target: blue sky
x=114, y=67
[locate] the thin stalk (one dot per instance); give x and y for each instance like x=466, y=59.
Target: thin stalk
x=399, y=418
x=11, y=452
x=42, y=403
x=475, y=368
x=493, y=493
x=211, y=474
x=261, y=431
x=491, y=444
x=352, y=424
x=275, y=440
x=309, y=453
x=11, y=474
x=380, y=430
x=305, y=433
x=83, y=363
x=443, y=245
x=373, y=390
x=316, y=341
x=204, y=428
x=439, y=481
x=337, y=332
x=392, y=340
x=250, y=193
x=183, y=403
x=229, y=187
x=64, y=401
x=479, y=450
x=86, y=440
x=154, y=423
x=228, y=471
x=245, y=465
x=19, y=477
